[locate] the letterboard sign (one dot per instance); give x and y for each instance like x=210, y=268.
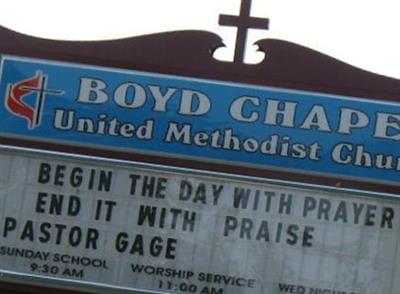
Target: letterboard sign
x=122, y=226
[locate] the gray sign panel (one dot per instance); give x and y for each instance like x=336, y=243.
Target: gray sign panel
x=108, y=225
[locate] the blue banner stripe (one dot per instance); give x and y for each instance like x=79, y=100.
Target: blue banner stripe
x=206, y=120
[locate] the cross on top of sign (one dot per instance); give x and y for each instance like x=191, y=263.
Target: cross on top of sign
x=243, y=22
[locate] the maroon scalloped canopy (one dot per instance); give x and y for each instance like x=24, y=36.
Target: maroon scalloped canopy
x=189, y=53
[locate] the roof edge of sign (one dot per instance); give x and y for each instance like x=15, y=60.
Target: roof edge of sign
x=190, y=53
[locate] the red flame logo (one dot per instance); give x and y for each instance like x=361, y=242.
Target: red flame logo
x=18, y=92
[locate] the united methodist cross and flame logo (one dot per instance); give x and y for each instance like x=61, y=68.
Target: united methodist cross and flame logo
x=34, y=87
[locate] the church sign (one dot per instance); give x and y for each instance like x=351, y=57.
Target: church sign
x=144, y=165
x=200, y=119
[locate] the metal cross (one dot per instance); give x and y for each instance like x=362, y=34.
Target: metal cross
x=243, y=22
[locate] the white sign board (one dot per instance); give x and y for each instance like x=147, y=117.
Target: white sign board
x=98, y=223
